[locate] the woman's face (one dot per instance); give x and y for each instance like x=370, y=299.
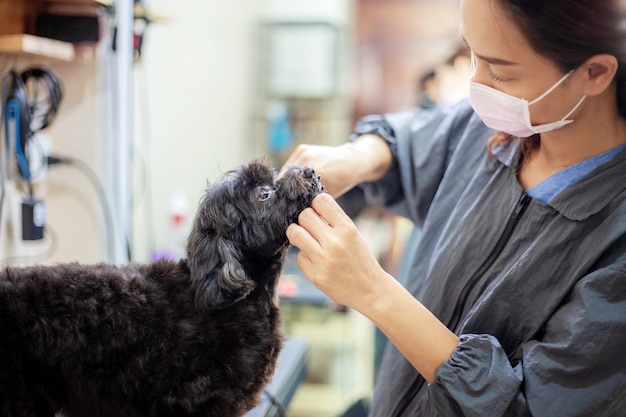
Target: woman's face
x=505, y=61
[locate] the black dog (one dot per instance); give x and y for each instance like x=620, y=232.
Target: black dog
x=197, y=337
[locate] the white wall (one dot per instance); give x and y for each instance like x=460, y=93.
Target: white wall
x=195, y=99
x=334, y=11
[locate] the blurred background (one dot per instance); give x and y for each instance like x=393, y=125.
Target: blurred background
x=145, y=102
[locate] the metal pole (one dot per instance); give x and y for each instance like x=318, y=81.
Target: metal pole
x=124, y=128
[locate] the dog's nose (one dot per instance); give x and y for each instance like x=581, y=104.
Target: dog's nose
x=308, y=172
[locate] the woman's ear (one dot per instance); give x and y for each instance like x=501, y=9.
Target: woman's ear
x=600, y=71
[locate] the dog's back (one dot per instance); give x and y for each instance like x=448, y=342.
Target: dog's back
x=128, y=341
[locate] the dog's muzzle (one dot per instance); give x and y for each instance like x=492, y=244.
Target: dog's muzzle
x=308, y=173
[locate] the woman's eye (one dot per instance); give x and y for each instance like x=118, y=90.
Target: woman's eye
x=496, y=78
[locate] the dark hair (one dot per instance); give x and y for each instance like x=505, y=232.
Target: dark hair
x=568, y=33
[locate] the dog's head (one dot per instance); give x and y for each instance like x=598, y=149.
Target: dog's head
x=238, y=238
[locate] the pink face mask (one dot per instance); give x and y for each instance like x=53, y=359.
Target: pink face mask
x=509, y=114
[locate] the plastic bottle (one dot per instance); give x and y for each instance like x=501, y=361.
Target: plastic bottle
x=179, y=224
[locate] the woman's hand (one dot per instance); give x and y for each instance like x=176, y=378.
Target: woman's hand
x=338, y=261
x=342, y=167
x=334, y=256
x=331, y=163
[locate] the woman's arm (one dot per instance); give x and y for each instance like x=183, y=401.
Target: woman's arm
x=575, y=367
x=339, y=262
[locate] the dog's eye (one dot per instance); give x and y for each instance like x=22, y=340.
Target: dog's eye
x=265, y=194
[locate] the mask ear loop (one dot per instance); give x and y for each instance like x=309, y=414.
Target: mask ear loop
x=551, y=89
x=574, y=109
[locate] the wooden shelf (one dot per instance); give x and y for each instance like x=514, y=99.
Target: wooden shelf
x=23, y=44
x=100, y=2
x=17, y=19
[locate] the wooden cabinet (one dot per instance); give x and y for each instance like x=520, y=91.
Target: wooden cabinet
x=17, y=19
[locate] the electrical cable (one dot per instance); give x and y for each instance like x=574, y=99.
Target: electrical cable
x=31, y=104
x=44, y=93
x=4, y=165
x=16, y=121
x=95, y=182
x=32, y=101
x=54, y=244
x=13, y=109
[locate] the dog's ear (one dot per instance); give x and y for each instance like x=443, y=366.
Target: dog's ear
x=222, y=280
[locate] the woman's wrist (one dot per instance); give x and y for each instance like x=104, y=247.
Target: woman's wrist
x=373, y=155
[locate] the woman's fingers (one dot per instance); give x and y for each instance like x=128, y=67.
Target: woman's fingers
x=327, y=224
x=309, y=248
x=329, y=210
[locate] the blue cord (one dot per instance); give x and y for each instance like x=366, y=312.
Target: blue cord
x=13, y=115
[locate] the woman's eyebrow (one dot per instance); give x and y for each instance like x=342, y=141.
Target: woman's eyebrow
x=489, y=60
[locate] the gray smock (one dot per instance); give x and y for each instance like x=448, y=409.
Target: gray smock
x=536, y=292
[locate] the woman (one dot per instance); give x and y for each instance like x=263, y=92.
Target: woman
x=516, y=301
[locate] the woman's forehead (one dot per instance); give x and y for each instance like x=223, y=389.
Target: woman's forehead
x=491, y=34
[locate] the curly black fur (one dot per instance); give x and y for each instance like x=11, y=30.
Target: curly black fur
x=197, y=337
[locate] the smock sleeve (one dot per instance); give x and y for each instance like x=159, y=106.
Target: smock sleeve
x=577, y=367
x=422, y=143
